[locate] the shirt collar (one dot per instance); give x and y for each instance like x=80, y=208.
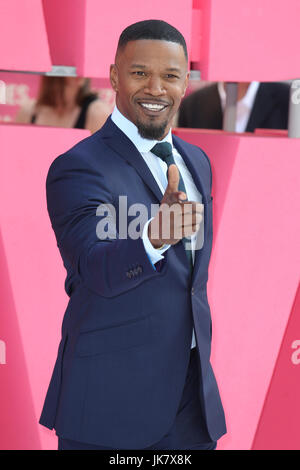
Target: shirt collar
x=131, y=131
x=248, y=98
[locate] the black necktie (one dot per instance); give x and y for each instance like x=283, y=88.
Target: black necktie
x=164, y=151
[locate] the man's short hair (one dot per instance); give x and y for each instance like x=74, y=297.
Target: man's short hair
x=152, y=29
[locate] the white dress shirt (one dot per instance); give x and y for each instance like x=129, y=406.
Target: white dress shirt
x=158, y=169
x=244, y=106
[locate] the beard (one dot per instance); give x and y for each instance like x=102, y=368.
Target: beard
x=151, y=131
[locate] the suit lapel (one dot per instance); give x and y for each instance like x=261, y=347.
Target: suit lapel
x=213, y=115
x=120, y=143
x=262, y=107
x=191, y=158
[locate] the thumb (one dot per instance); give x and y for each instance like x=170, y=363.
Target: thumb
x=173, y=179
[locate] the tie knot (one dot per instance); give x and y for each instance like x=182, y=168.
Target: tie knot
x=162, y=150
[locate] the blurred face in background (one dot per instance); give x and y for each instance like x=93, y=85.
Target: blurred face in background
x=62, y=93
x=71, y=87
x=150, y=78
x=74, y=82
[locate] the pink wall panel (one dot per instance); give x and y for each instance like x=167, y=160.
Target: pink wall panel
x=254, y=272
x=232, y=40
x=65, y=22
x=196, y=33
x=249, y=40
x=23, y=38
x=281, y=410
x=17, y=415
x=32, y=280
x=253, y=278
x=86, y=32
x=103, y=26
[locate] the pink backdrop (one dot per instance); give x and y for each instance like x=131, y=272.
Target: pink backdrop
x=22, y=29
x=32, y=280
x=229, y=40
x=254, y=275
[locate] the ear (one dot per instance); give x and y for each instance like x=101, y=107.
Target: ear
x=186, y=82
x=113, y=75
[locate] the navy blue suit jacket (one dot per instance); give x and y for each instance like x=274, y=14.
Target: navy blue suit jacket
x=127, y=329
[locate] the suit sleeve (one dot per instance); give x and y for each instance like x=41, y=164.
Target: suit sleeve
x=75, y=192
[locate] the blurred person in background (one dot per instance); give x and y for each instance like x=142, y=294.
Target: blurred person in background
x=259, y=105
x=65, y=102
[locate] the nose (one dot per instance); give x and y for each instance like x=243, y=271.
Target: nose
x=155, y=86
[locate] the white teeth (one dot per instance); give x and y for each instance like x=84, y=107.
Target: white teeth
x=152, y=106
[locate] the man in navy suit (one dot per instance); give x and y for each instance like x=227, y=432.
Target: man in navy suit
x=133, y=366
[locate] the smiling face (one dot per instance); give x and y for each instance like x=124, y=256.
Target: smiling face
x=150, y=78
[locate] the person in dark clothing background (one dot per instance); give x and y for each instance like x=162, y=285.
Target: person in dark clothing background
x=260, y=105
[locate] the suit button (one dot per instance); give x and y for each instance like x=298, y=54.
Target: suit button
x=193, y=291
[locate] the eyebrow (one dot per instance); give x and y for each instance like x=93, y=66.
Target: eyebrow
x=174, y=69
x=170, y=69
x=134, y=66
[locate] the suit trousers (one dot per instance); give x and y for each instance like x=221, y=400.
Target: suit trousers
x=188, y=432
